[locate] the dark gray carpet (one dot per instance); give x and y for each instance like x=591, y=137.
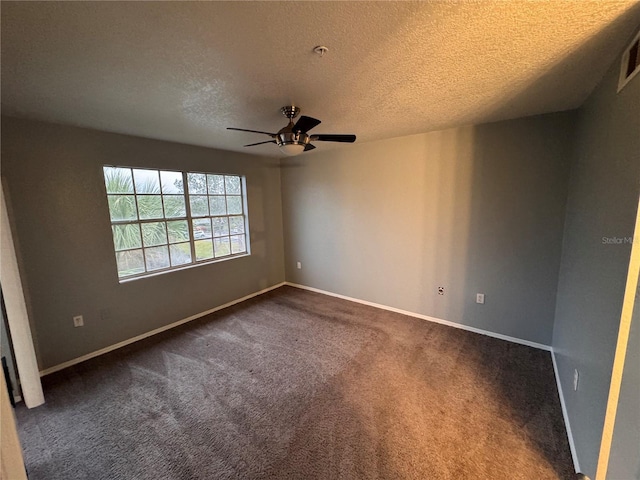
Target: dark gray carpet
x=294, y=384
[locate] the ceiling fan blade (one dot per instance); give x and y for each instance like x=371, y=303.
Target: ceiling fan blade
x=259, y=143
x=334, y=138
x=308, y=147
x=252, y=131
x=304, y=124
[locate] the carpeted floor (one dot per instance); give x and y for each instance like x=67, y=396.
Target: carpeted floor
x=298, y=385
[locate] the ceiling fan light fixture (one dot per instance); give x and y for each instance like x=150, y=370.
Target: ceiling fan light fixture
x=293, y=139
x=292, y=149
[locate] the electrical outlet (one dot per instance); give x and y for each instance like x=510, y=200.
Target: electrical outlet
x=576, y=377
x=479, y=297
x=440, y=290
x=299, y=265
x=78, y=321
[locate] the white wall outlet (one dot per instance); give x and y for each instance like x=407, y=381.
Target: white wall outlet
x=440, y=290
x=576, y=377
x=299, y=265
x=78, y=321
x=479, y=297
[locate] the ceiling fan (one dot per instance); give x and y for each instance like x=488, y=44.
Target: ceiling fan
x=294, y=138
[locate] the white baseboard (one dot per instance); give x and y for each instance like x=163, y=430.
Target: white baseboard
x=129, y=341
x=572, y=445
x=428, y=318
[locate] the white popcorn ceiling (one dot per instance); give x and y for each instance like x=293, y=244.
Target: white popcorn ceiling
x=185, y=71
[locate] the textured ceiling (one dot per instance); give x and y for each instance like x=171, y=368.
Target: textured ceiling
x=185, y=71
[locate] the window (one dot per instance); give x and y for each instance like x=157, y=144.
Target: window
x=163, y=220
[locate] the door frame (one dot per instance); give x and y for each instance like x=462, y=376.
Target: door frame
x=622, y=345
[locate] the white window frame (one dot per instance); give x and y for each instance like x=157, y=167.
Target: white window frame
x=188, y=217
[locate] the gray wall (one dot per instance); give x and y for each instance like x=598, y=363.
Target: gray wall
x=55, y=186
x=602, y=202
x=624, y=462
x=473, y=209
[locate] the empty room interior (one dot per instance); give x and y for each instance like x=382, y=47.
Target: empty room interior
x=320, y=240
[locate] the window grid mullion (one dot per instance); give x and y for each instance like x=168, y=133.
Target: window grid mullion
x=164, y=216
x=135, y=196
x=147, y=220
x=187, y=206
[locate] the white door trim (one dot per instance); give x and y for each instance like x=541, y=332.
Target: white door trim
x=17, y=316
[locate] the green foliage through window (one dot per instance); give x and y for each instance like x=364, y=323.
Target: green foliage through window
x=162, y=219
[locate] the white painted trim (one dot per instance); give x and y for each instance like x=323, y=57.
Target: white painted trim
x=129, y=341
x=448, y=323
x=17, y=314
x=565, y=414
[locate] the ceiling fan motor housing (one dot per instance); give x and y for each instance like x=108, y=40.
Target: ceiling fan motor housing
x=287, y=135
x=292, y=138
